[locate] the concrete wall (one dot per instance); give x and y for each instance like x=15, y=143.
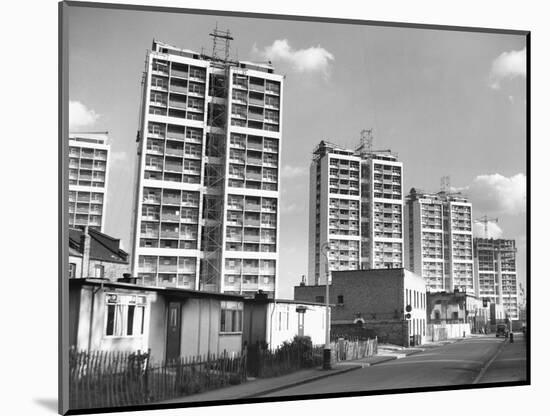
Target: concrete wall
x=440, y=332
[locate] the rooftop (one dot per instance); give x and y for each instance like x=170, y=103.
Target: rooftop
x=102, y=246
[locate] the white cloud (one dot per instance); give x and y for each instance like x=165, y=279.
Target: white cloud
x=293, y=171
x=312, y=59
x=80, y=115
x=493, y=230
x=508, y=65
x=496, y=194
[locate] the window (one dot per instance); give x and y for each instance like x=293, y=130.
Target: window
x=72, y=270
x=99, y=271
x=231, y=317
x=340, y=299
x=319, y=299
x=125, y=315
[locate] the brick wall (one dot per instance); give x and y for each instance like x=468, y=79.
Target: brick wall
x=112, y=271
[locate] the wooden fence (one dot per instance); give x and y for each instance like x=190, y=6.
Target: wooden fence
x=354, y=350
x=109, y=379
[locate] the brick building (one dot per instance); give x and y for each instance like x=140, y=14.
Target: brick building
x=94, y=254
x=375, y=302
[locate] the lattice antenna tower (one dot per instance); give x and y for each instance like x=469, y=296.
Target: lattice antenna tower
x=221, y=44
x=365, y=142
x=445, y=184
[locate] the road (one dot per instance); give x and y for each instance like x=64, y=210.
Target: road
x=452, y=364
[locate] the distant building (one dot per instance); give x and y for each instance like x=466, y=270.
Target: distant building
x=88, y=172
x=438, y=240
x=171, y=322
x=271, y=322
x=94, y=254
x=377, y=300
x=209, y=146
x=356, y=206
x=496, y=273
x=456, y=308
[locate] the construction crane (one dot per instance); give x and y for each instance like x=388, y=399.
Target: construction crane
x=485, y=221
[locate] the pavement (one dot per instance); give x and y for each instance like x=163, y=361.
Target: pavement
x=266, y=386
x=509, y=364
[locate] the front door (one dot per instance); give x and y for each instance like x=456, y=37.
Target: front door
x=173, y=332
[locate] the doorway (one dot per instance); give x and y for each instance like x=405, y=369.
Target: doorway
x=173, y=331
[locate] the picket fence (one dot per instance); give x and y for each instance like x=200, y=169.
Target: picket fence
x=109, y=379
x=353, y=350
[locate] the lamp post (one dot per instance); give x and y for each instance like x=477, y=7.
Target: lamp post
x=326, y=352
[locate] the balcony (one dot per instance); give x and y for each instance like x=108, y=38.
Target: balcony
x=256, y=102
x=255, y=116
x=179, y=74
x=256, y=87
x=173, y=167
x=197, y=77
x=167, y=268
x=169, y=234
x=252, y=238
x=252, y=207
x=149, y=234
x=174, y=151
x=171, y=200
x=251, y=223
x=178, y=104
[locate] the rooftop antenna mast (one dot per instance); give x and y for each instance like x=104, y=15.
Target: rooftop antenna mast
x=366, y=140
x=221, y=44
x=445, y=184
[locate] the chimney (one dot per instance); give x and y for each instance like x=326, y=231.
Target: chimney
x=85, y=247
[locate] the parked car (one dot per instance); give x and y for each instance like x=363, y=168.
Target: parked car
x=502, y=329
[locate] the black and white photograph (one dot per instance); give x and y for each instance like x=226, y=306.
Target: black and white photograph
x=261, y=208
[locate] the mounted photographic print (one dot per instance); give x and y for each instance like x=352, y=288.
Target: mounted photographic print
x=267, y=208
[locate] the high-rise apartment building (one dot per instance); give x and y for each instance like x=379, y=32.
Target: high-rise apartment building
x=356, y=207
x=88, y=172
x=438, y=240
x=496, y=273
x=207, y=202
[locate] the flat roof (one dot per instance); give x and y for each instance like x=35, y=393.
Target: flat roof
x=166, y=290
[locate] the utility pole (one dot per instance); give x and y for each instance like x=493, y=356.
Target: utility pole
x=326, y=352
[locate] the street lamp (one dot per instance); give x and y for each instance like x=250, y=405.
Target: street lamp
x=326, y=352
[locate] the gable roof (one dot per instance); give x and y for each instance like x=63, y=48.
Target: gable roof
x=102, y=246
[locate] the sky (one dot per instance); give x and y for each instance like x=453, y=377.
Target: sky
x=449, y=103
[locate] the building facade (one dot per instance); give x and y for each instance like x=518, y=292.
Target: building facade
x=88, y=172
x=388, y=303
x=93, y=254
x=496, y=273
x=356, y=206
x=439, y=240
x=207, y=200
x=170, y=322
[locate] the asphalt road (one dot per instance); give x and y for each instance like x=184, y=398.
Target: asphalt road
x=509, y=365
x=453, y=364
